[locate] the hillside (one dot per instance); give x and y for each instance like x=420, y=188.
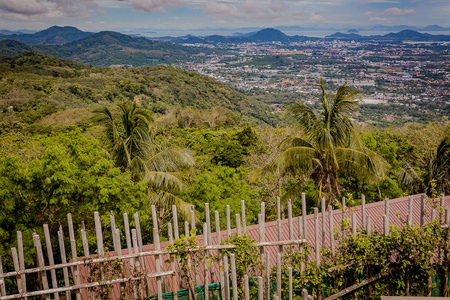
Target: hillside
x=34, y=85
x=107, y=48
x=54, y=35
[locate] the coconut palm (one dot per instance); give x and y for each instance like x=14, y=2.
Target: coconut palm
x=130, y=144
x=329, y=144
x=435, y=178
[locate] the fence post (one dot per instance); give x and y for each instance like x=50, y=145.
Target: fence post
x=51, y=260
x=422, y=210
x=233, y=276
x=324, y=234
x=279, y=274
x=22, y=263
x=330, y=217
x=363, y=211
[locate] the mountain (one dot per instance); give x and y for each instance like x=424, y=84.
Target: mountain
x=112, y=48
x=54, y=35
x=435, y=28
x=391, y=28
x=269, y=35
x=65, y=84
x=404, y=35
x=13, y=48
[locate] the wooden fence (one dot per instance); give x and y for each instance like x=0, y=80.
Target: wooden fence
x=140, y=271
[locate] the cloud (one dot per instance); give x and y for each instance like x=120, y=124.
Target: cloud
x=155, y=5
x=266, y=12
x=395, y=11
x=41, y=10
x=26, y=7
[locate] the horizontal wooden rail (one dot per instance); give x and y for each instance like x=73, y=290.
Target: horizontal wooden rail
x=84, y=286
x=86, y=261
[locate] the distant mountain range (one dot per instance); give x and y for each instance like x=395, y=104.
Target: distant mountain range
x=99, y=49
x=404, y=35
x=108, y=47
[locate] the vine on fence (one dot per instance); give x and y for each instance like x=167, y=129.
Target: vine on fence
x=409, y=257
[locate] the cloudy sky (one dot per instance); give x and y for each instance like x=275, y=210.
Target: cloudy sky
x=96, y=15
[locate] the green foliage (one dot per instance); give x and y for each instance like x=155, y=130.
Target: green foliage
x=407, y=257
x=220, y=187
x=44, y=178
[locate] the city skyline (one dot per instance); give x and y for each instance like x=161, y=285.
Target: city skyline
x=122, y=15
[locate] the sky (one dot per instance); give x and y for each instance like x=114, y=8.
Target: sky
x=122, y=15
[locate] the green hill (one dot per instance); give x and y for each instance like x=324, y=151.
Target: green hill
x=34, y=85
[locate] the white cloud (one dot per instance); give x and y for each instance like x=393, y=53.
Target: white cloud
x=155, y=5
x=262, y=12
x=395, y=11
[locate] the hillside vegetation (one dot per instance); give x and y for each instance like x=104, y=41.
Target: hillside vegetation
x=34, y=85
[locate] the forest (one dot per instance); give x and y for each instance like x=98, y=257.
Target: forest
x=78, y=139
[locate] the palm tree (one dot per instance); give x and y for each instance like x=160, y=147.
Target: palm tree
x=130, y=144
x=435, y=178
x=329, y=144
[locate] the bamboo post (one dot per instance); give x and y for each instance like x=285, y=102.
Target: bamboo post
x=186, y=229
x=386, y=209
x=154, y=217
x=280, y=235
x=305, y=294
x=305, y=228
x=157, y=262
x=343, y=218
x=196, y=267
x=222, y=278
x=205, y=263
x=86, y=256
x=447, y=216
x=244, y=218
x=275, y=297
x=324, y=235
x=279, y=275
x=410, y=206
x=137, y=263
x=41, y=264
x=290, y=283
x=208, y=232
x=261, y=232
x=291, y=226
x=22, y=264
x=433, y=215
x=227, y=278
x=363, y=211
x=238, y=224
x=369, y=228
x=233, y=276
x=300, y=227
x=386, y=225
x=2, y=280
x=140, y=245
x=246, y=288
x=228, y=222
x=316, y=231
x=260, y=288
x=422, y=210
x=128, y=240
x=176, y=231
x=267, y=260
x=73, y=247
x=353, y=223
x=218, y=236
x=62, y=250
x=330, y=218
x=442, y=209
x=17, y=268
x=51, y=260
x=173, y=265
x=278, y=209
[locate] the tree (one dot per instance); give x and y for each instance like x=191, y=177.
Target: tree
x=129, y=142
x=329, y=145
x=435, y=177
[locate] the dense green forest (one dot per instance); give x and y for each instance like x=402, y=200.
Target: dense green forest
x=78, y=139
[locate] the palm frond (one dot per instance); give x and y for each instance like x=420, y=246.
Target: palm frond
x=298, y=159
x=170, y=160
